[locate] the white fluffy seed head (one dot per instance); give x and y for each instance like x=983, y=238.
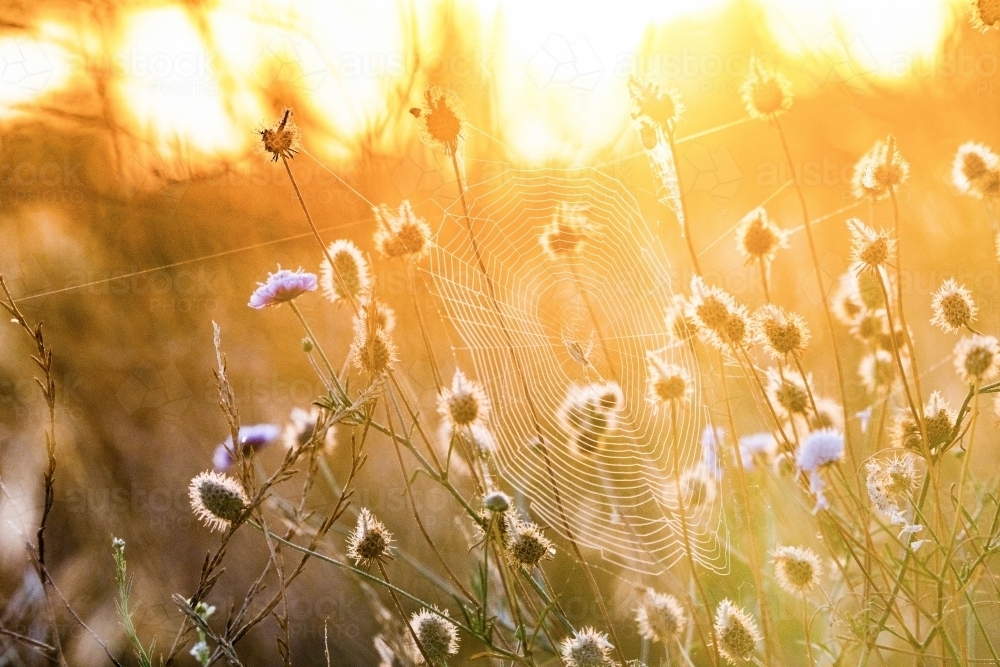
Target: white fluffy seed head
x=797, y=569
x=464, y=403
x=369, y=541
x=737, y=632
x=348, y=277
x=437, y=635
x=659, y=617
x=587, y=648
x=217, y=500
x=976, y=358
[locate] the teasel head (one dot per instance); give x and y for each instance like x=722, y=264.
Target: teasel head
x=369, y=542
x=870, y=249
x=976, y=169
x=401, y=234
x=984, y=14
x=659, y=616
x=348, y=277
x=891, y=482
x=526, y=545
x=885, y=168
x=667, y=384
x=953, y=307
x=977, y=358
x=758, y=238
x=681, y=324
x=782, y=333
x=846, y=303
x=737, y=632
x=589, y=414
x=788, y=392
x=724, y=323
x=660, y=107
x=766, y=94
x=373, y=350
x=587, y=648
x=797, y=569
x=217, y=500
x=464, y=403
x=437, y=635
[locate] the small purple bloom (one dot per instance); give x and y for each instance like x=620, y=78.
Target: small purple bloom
x=282, y=286
x=256, y=436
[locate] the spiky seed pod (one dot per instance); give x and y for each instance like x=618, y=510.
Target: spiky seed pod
x=441, y=122
x=280, y=140
x=953, y=307
x=567, y=233
x=348, y=277
x=437, y=635
x=372, y=350
x=984, y=14
x=659, y=107
x=891, y=482
x=660, y=617
x=758, y=238
x=782, y=333
x=766, y=94
x=737, y=632
x=976, y=358
x=496, y=502
x=587, y=648
x=976, y=170
x=939, y=421
x=217, y=500
x=464, y=403
x=526, y=545
x=401, y=234
x=788, y=392
x=869, y=248
x=877, y=371
x=720, y=318
x=885, y=168
x=666, y=384
x=797, y=569
x=369, y=542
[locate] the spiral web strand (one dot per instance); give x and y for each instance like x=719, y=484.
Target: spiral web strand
x=609, y=302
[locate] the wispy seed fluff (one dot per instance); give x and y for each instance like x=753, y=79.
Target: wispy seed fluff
x=953, y=307
x=280, y=140
x=438, y=636
x=766, y=94
x=758, y=238
x=567, y=233
x=891, y=482
x=589, y=414
x=976, y=358
x=797, y=569
x=976, y=170
x=401, y=234
x=869, y=248
x=984, y=14
x=217, y=500
x=587, y=648
x=464, y=403
x=781, y=332
x=881, y=169
x=737, y=632
x=372, y=350
x=348, y=277
x=666, y=384
x=660, y=617
x=369, y=542
x=526, y=545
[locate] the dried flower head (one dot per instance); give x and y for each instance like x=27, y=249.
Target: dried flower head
x=401, y=234
x=281, y=287
x=984, y=14
x=976, y=358
x=660, y=617
x=281, y=140
x=369, y=541
x=348, y=276
x=372, y=350
x=659, y=107
x=697, y=486
x=737, y=632
x=766, y=94
x=587, y=648
x=953, y=307
x=891, y=482
x=567, y=233
x=828, y=414
x=782, y=333
x=526, y=544
x=976, y=170
x=758, y=449
x=441, y=122
x=869, y=248
x=589, y=414
x=877, y=370
x=464, y=403
x=666, y=384
x=437, y=635
x=300, y=430
x=723, y=322
x=884, y=169
x=788, y=392
x=217, y=500
x=797, y=569
x=939, y=421
x=758, y=237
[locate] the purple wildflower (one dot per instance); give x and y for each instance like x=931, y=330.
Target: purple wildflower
x=282, y=286
x=253, y=437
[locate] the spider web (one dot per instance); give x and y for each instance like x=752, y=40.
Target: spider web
x=621, y=500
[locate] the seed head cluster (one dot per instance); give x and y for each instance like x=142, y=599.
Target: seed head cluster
x=441, y=122
x=660, y=108
x=781, y=332
x=526, y=545
x=667, y=384
x=977, y=358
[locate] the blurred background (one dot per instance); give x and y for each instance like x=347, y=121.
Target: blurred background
x=135, y=210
